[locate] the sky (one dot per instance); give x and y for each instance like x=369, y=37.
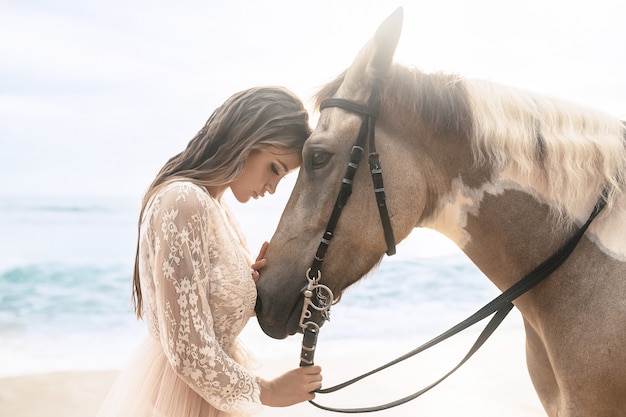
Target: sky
x=96, y=96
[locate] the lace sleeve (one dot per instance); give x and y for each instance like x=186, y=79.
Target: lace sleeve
x=184, y=229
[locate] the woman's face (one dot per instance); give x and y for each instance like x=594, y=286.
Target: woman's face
x=263, y=171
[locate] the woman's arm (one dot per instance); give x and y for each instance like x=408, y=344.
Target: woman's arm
x=182, y=228
x=186, y=325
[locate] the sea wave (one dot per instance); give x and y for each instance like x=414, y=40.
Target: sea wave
x=37, y=298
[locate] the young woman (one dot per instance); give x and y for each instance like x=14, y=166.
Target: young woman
x=194, y=281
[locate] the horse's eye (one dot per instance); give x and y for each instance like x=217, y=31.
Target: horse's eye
x=319, y=159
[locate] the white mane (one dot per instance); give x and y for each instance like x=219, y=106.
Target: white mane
x=563, y=149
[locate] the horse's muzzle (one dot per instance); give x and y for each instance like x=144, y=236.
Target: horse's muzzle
x=276, y=325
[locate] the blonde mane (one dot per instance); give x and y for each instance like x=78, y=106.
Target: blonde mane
x=564, y=149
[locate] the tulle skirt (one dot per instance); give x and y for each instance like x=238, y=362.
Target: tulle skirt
x=149, y=387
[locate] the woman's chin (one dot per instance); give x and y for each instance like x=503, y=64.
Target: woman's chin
x=243, y=199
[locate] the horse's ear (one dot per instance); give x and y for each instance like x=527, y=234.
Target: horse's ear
x=385, y=41
x=375, y=58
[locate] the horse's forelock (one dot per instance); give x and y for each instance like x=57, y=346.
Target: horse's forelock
x=329, y=90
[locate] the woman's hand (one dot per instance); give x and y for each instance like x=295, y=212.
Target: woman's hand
x=292, y=387
x=260, y=262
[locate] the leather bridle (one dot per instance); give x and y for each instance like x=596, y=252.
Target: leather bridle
x=366, y=132
x=323, y=295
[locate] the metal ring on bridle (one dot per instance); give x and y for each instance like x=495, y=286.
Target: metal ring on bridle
x=324, y=297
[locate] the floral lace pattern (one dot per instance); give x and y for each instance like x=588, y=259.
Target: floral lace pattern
x=198, y=294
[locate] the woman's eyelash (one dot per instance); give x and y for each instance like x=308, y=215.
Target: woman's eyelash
x=275, y=170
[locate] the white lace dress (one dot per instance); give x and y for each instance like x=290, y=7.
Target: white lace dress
x=198, y=295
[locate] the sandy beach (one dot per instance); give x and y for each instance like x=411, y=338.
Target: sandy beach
x=492, y=383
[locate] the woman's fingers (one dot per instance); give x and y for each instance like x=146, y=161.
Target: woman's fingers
x=262, y=251
x=260, y=262
x=292, y=387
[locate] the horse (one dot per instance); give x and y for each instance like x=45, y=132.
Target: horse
x=508, y=175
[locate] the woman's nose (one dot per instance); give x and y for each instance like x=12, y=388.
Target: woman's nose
x=270, y=187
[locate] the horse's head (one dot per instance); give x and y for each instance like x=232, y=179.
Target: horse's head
x=358, y=235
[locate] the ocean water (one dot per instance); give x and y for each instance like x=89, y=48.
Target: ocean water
x=65, y=285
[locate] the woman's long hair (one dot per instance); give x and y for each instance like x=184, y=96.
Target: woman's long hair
x=247, y=121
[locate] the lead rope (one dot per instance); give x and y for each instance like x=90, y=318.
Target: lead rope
x=501, y=306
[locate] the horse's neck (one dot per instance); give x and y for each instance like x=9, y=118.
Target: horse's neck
x=504, y=231
x=511, y=233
